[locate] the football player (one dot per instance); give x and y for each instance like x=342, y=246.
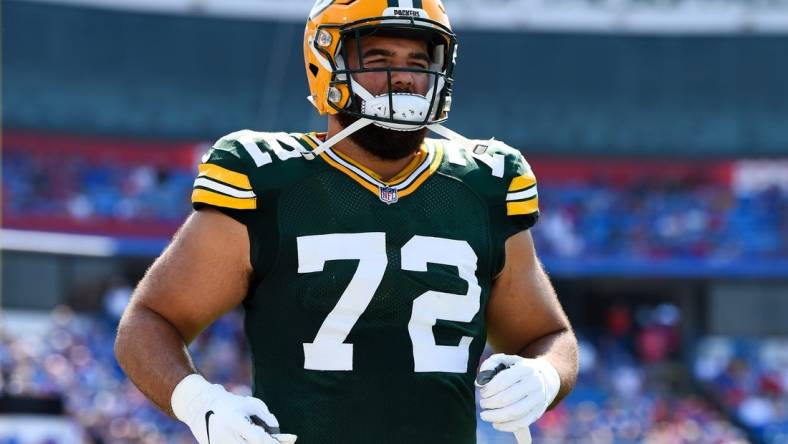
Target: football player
x=373, y=263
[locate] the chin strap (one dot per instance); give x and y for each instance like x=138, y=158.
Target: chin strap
x=406, y=105
x=361, y=123
x=449, y=134
x=356, y=126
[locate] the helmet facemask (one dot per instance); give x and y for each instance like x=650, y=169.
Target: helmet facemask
x=326, y=52
x=392, y=109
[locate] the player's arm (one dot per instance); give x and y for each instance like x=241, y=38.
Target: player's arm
x=525, y=317
x=537, y=363
x=202, y=274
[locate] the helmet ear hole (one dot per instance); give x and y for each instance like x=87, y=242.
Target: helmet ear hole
x=314, y=69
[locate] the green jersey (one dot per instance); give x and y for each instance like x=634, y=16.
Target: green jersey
x=366, y=314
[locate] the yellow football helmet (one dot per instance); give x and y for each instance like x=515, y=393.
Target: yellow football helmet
x=331, y=82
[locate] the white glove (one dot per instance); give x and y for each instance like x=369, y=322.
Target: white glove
x=216, y=416
x=519, y=395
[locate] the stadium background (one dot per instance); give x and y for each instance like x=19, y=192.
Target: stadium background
x=658, y=130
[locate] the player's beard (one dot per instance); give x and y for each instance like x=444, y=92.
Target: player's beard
x=383, y=143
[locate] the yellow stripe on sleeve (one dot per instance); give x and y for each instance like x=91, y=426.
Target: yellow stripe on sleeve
x=521, y=208
x=216, y=172
x=220, y=200
x=522, y=182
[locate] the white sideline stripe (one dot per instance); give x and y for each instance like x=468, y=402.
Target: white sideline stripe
x=57, y=243
x=521, y=195
x=224, y=189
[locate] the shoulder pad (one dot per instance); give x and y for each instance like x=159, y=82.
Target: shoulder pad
x=521, y=192
x=262, y=148
x=230, y=173
x=498, y=172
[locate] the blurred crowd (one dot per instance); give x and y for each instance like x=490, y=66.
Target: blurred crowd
x=657, y=219
x=653, y=219
x=74, y=360
x=632, y=388
x=750, y=378
x=627, y=392
x=80, y=189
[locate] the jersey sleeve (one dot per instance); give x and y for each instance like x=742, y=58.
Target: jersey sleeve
x=243, y=175
x=522, y=198
x=223, y=181
x=514, y=206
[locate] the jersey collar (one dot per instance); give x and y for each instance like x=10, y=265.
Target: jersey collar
x=423, y=165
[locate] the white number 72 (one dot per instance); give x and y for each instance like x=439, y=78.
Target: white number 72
x=330, y=352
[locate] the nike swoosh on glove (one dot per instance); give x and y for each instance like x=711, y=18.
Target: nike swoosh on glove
x=216, y=416
x=519, y=395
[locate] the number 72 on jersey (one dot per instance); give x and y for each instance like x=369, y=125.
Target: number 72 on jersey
x=329, y=351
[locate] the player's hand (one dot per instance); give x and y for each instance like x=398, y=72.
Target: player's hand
x=518, y=395
x=216, y=416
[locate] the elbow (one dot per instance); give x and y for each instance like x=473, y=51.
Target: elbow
x=121, y=347
x=119, y=355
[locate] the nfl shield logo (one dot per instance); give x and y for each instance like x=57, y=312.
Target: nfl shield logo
x=388, y=195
